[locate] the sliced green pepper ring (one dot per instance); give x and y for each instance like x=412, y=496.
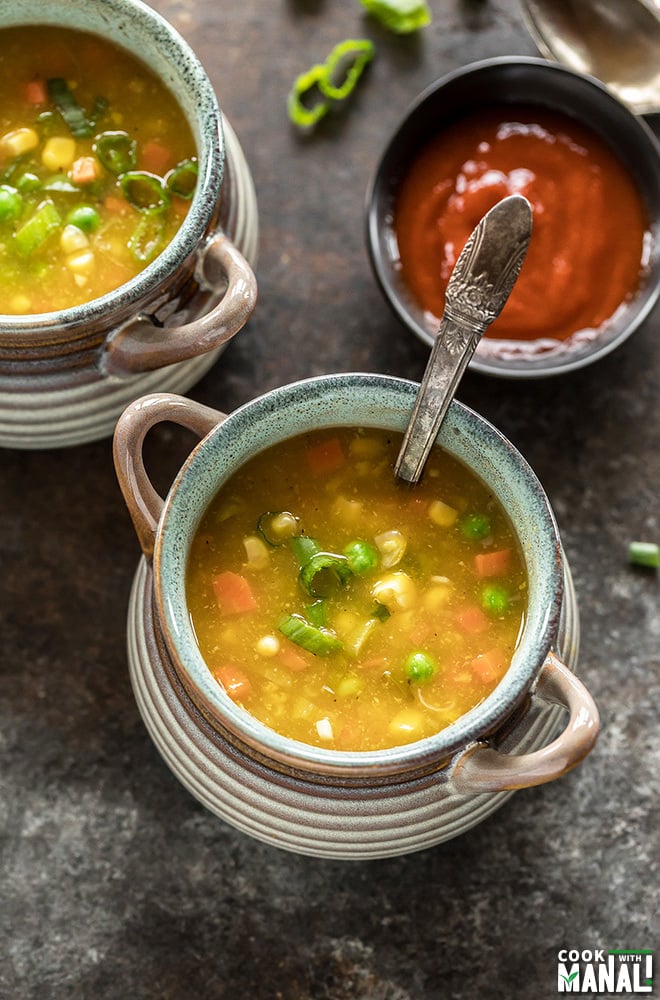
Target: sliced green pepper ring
x=116, y=151
x=323, y=573
x=144, y=191
x=182, y=179
x=303, y=86
x=345, y=63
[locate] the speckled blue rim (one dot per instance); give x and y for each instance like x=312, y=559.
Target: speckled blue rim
x=135, y=26
x=367, y=400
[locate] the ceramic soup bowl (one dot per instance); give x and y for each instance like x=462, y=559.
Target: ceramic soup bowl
x=315, y=800
x=66, y=376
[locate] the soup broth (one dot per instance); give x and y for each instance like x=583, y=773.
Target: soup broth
x=97, y=168
x=345, y=609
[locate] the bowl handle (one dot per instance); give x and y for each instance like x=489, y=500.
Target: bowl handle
x=142, y=346
x=483, y=769
x=144, y=504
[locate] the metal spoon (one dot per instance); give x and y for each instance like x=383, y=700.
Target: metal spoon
x=617, y=41
x=480, y=284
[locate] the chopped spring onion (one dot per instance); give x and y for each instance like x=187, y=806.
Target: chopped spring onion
x=11, y=203
x=148, y=237
x=306, y=86
x=344, y=67
x=117, y=151
x=181, y=180
x=399, y=16
x=380, y=612
x=45, y=221
x=323, y=573
x=362, y=557
x=316, y=613
x=278, y=526
x=420, y=667
x=74, y=116
x=644, y=554
x=144, y=191
x=319, y=641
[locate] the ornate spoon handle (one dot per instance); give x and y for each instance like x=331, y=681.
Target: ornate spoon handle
x=478, y=288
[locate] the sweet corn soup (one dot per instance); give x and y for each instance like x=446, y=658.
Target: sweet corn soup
x=346, y=609
x=97, y=168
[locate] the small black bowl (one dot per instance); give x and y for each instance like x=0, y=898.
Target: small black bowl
x=536, y=82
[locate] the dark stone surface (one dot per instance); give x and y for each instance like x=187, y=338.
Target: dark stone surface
x=115, y=882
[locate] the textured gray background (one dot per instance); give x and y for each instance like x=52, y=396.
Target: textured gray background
x=114, y=881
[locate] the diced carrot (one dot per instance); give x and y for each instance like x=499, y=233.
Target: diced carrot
x=292, y=659
x=472, y=619
x=326, y=457
x=116, y=206
x=84, y=170
x=234, y=681
x=35, y=92
x=156, y=158
x=489, y=667
x=492, y=563
x=233, y=593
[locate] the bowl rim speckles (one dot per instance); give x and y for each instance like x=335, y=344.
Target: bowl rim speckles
x=538, y=82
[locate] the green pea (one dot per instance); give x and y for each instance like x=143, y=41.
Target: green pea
x=10, y=203
x=420, y=667
x=475, y=526
x=85, y=217
x=495, y=599
x=28, y=182
x=362, y=556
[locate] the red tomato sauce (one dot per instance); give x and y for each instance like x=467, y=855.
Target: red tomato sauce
x=590, y=238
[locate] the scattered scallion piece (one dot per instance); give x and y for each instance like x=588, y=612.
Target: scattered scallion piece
x=181, y=180
x=10, y=203
x=45, y=221
x=144, y=191
x=319, y=641
x=644, y=554
x=316, y=613
x=74, y=116
x=116, y=151
x=301, y=112
x=323, y=573
x=399, y=16
x=344, y=67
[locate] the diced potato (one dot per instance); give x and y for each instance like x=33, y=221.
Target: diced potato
x=396, y=591
x=59, y=152
x=256, y=551
x=437, y=596
x=348, y=510
x=324, y=729
x=72, y=239
x=81, y=262
x=442, y=514
x=349, y=686
x=19, y=141
x=407, y=723
x=392, y=547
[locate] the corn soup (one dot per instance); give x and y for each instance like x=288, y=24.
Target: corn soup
x=97, y=168
x=346, y=609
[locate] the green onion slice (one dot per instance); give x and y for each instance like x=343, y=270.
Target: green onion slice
x=344, y=67
x=74, y=116
x=399, y=16
x=644, y=554
x=316, y=613
x=116, y=151
x=181, y=180
x=306, y=86
x=148, y=237
x=319, y=641
x=144, y=191
x=45, y=221
x=324, y=573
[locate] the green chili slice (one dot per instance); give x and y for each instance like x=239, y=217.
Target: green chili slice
x=319, y=641
x=344, y=67
x=182, y=179
x=74, y=116
x=306, y=86
x=316, y=613
x=148, y=238
x=323, y=573
x=38, y=228
x=144, y=191
x=399, y=16
x=11, y=203
x=644, y=554
x=116, y=151
x=303, y=548
x=278, y=526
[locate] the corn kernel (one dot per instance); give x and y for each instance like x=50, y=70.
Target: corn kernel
x=72, y=239
x=59, y=153
x=81, y=262
x=408, y=723
x=19, y=141
x=442, y=514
